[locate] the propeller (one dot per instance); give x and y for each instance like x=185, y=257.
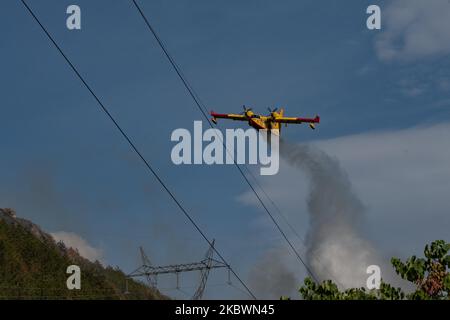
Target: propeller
x=245, y=109
x=272, y=110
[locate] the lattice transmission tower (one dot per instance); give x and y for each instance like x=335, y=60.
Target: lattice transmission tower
x=151, y=272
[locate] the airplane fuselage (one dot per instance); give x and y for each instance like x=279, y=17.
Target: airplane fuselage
x=263, y=122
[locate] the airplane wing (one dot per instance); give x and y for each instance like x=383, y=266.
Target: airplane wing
x=311, y=121
x=231, y=116
x=297, y=120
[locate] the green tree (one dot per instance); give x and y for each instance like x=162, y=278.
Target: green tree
x=430, y=275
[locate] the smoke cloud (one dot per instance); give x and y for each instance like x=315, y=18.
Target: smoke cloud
x=73, y=240
x=271, y=278
x=336, y=248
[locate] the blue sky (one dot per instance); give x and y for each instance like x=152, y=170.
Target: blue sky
x=65, y=167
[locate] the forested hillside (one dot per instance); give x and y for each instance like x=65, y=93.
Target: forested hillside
x=33, y=266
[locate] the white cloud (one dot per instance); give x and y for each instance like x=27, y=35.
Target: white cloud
x=73, y=240
x=413, y=29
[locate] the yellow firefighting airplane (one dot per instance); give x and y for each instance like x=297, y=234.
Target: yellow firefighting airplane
x=270, y=122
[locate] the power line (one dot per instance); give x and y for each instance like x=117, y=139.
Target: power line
x=197, y=101
x=133, y=146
